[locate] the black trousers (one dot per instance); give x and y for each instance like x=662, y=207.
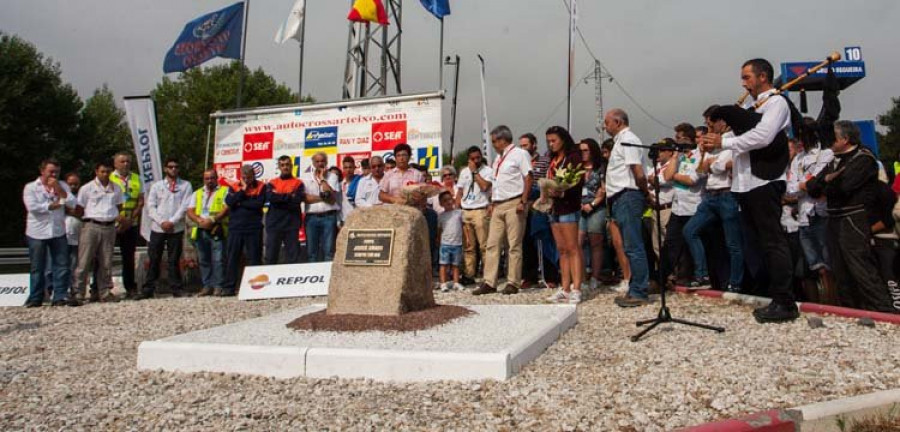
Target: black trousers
x=245, y=244
x=127, y=245
x=676, y=253
x=172, y=242
x=887, y=253
x=762, y=210
x=854, y=265
x=275, y=239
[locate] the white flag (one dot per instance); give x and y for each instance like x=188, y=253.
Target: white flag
x=290, y=29
x=486, y=146
x=141, y=114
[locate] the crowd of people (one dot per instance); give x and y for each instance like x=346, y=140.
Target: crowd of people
x=808, y=218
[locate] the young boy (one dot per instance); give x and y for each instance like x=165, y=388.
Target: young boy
x=451, y=234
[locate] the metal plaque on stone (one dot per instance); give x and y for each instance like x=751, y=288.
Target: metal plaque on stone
x=369, y=247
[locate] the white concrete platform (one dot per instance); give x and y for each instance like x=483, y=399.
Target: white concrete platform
x=495, y=342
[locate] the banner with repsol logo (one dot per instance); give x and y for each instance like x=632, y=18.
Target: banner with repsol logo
x=14, y=289
x=284, y=281
x=358, y=128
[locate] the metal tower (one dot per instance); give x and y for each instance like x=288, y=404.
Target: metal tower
x=598, y=78
x=373, y=56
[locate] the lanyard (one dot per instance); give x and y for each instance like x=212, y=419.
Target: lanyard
x=553, y=165
x=500, y=162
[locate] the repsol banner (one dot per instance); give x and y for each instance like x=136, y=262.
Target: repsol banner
x=284, y=281
x=141, y=114
x=14, y=289
x=359, y=128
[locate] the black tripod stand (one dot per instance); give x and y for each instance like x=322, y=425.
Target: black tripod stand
x=664, y=316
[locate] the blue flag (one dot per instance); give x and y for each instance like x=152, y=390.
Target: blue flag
x=438, y=8
x=216, y=34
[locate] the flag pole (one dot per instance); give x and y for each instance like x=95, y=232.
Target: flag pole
x=441, y=61
x=572, y=18
x=240, y=89
x=302, y=52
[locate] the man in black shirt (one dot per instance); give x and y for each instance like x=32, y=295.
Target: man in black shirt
x=849, y=183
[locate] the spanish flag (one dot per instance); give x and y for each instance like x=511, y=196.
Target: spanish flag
x=368, y=10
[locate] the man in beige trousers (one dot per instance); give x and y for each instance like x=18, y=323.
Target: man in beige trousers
x=511, y=183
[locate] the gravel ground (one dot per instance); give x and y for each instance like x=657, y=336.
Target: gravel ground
x=74, y=369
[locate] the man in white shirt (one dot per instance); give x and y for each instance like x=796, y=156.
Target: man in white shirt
x=812, y=213
x=369, y=186
x=45, y=231
x=167, y=202
x=759, y=180
x=473, y=196
x=666, y=195
x=73, y=223
x=510, y=187
x=687, y=186
x=626, y=191
x=322, y=208
x=718, y=205
x=99, y=203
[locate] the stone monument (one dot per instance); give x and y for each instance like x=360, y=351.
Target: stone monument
x=382, y=263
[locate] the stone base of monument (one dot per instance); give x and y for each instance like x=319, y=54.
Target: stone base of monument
x=494, y=342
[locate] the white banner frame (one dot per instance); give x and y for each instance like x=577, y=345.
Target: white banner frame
x=141, y=114
x=285, y=281
x=14, y=289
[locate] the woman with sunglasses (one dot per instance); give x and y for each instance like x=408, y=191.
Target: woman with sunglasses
x=565, y=214
x=593, y=207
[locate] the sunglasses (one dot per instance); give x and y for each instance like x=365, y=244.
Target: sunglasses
x=172, y=166
x=447, y=175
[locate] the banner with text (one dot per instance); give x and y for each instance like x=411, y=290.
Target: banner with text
x=141, y=113
x=285, y=281
x=14, y=289
x=359, y=130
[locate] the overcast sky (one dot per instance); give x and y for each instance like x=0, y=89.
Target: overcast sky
x=675, y=58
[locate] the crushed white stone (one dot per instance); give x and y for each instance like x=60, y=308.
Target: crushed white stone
x=75, y=369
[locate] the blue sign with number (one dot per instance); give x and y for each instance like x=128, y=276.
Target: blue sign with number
x=853, y=53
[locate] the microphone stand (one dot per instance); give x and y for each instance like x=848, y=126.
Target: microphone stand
x=664, y=315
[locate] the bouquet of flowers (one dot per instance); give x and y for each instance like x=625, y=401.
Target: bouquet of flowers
x=565, y=179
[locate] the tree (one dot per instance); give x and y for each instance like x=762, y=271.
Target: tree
x=104, y=131
x=39, y=118
x=889, y=143
x=183, y=107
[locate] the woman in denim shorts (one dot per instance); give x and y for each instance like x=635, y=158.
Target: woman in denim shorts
x=564, y=216
x=593, y=207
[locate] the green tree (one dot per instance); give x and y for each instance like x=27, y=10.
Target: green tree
x=889, y=143
x=104, y=131
x=183, y=107
x=39, y=118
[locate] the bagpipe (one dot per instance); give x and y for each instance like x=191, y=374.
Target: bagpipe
x=770, y=162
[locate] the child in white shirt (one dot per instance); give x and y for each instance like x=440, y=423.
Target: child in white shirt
x=451, y=234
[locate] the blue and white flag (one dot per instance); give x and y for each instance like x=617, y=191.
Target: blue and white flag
x=438, y=8
x=216, y=34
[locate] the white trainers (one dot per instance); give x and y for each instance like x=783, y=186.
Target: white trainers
x=558, y=297
x=575, y=297
x=457, y=286
x=446, y=286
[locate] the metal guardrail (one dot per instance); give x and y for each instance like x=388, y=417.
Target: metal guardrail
x=19, y=256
